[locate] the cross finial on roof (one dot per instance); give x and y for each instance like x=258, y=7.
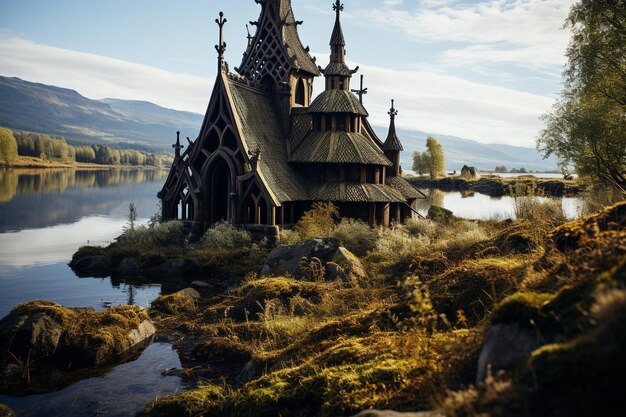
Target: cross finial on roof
x=393, y=112
x=361, y=91
x=177, y=146
x=338, y=7
x=221, y=48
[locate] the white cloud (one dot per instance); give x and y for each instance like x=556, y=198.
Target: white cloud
x=98, y=77
x=428, y=101
x=524, y=32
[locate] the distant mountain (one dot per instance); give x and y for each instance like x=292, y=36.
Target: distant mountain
x=59, y=111
x=461, y=152
x=126, y=123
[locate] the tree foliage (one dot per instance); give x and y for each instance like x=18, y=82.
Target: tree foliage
x=421, y=162
x=587, y=127
x=57, y=149
x=437, y=165
x=8, y=147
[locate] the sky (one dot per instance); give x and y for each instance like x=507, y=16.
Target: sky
x=482, y=70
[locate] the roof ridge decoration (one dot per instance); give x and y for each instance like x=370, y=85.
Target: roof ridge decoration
x=392, y=143
x=275, y=50
x=221, y=47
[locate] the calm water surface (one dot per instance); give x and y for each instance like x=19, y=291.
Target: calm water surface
x=45, y=215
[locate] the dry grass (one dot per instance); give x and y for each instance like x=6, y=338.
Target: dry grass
x=407, y=336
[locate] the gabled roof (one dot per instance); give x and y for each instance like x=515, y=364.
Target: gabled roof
x=337, y=101
x=336, y=147
x=260, y=129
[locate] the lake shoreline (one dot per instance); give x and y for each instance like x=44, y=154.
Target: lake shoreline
x=29, y=162
x=494, y=186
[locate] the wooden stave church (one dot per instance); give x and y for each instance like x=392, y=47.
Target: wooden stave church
x=266, y=152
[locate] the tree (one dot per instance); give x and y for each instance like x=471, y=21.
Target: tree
x=587, y=127
x=501, y=169
x=437, y=166
x=8, y=147
x=421, y=163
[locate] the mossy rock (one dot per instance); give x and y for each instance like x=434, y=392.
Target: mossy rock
x=573, y=235
x=87, y=251
x=522, y=308
x=53, y=338
x=183, y=301
x=187, y=404
x=221, y=351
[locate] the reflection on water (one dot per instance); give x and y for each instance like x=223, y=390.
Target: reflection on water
x=476, y=206
x=45, y=215
x=42, y=198
x=125, y=391
x=53, y=212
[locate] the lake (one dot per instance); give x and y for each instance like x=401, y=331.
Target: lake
x=45, y=215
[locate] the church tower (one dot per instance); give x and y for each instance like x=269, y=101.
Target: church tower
x=275, y=56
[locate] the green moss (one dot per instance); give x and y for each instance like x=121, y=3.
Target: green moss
x=173, y=303
x=256, y=294
x=521, y=307
x=474, y=287
x=188, y=404
x=85, y=251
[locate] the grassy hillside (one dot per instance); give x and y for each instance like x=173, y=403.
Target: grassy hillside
x=59, y=111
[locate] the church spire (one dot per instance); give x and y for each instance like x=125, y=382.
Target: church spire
x=392, y=143
x=337, y=72
x=337, y=39
x=177, y=147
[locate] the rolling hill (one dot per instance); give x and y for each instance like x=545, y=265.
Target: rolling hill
x=59, y=111
x=140, y=124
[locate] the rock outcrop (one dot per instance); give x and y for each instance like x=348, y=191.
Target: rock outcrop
x=43, y=336
x=336, y=261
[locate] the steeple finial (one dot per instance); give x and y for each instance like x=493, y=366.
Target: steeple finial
x=221, y=48
x=338, y=7
x=177, y=146
x=361, y=91
x=392, y=112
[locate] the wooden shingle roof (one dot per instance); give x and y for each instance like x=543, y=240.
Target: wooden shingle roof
x=407, y=190
x=356, y=193
x=337, y=101
x=338, y=147
x=260, y=128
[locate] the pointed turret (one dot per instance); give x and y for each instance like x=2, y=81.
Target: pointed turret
x=337, y=72
x=392, y=146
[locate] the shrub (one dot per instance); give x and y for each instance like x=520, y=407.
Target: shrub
x=318, y=222
x=225, y=236
x=397, y=241
x=421, y=227
x=162, y=235
x=539, y=209
x=355, y=235
x=288, y=237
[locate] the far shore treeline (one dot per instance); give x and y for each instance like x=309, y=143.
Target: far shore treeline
x=56, y=149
